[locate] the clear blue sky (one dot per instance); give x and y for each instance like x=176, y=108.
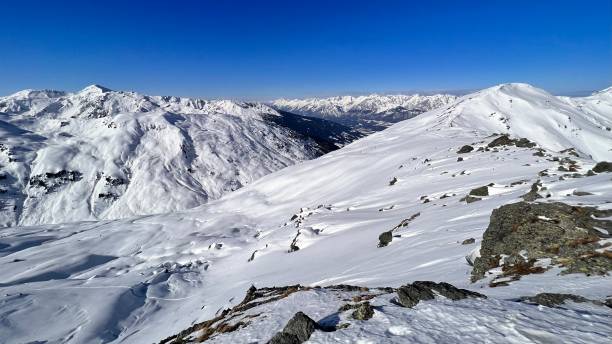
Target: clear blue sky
x=266, y=49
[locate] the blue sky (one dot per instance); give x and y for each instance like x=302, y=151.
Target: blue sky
x=267, y=49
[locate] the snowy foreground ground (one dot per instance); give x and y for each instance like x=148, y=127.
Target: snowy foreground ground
x=143, y=279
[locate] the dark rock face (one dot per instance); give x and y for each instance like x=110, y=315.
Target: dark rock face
x=603, y=166
x=393, y=181
x=465, y=149
x=524, y=232
x=411, y=294
x=480, y=191
x=53, y=181
x=385, y=238
x=363, y=311
x=298, y=330
x=552, y=299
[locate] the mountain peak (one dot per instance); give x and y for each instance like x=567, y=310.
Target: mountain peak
x=95, y=89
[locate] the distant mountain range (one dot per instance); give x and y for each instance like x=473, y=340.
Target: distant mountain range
x=365, y=113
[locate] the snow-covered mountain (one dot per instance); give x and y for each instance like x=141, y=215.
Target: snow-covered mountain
x=433, y=198
x=366, y=113
x=101, y=154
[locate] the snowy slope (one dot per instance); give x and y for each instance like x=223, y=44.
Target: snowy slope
x=100, y=154
x=142, y=279
x=367, y=113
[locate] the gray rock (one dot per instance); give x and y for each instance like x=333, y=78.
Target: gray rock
x=284, y=338
x=470, y=199
x=553, y=299
x=385, y=238
x=410, y=295
x=480, y=191
x=468, y=241
x=581, y=193
x=465, y=149
x=449, y=291
x=301, y=326
x=524, y=232
x=603, y=166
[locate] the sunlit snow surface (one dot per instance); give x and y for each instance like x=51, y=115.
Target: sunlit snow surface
x=142, y=279
x=134, y=154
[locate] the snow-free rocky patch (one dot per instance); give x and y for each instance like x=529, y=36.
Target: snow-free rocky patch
x=422, y=311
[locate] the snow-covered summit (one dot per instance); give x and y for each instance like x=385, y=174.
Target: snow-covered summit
x=522, y=110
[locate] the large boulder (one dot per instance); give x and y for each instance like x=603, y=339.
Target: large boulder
x=522, y=233
x=298, y=330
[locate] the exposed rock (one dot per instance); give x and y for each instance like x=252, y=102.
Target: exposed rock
x=532, y=195
x=300, y=326
x=449, y=291
x=459, y=159
x=468, y=241
x=393, y=181
x=470, y=199
x=385, y=238
x=465, y=149
x=603, y=166
x=50, y=182
x=505, y=140
x=581, y=193
x=480, y=191
x=522, y=233
x=363, y=311
x=553, y=299
x=284, y=338
x=411, y=294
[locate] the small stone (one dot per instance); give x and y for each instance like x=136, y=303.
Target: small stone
x=385, y=238
x=465, y=149
x=468, y=241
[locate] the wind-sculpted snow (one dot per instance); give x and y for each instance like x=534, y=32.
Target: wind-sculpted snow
x=366, y=113
x=130, y=154
x=318, y=222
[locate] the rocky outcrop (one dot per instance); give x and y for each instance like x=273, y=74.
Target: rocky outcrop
x=505, y=140
x=553, y=299
x=521, y=235
x=410, y=295
x=52, y=181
